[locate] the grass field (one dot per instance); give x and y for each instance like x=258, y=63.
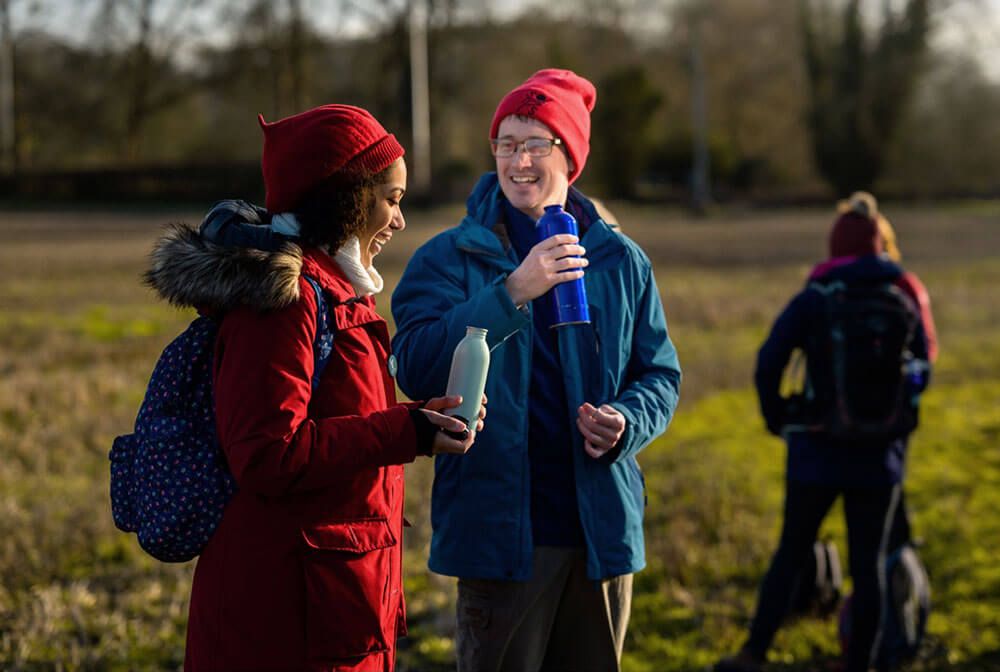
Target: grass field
x=79, y=336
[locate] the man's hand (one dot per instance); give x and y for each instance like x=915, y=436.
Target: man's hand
x=454, y=436
x=601, y=428
x=556, y=259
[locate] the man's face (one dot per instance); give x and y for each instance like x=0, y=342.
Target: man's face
x=530, y=183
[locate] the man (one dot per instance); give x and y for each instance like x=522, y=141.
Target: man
x=543, y=525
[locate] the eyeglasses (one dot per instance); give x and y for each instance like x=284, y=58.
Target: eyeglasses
x=504, y=148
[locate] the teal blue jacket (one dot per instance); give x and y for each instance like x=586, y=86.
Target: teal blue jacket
x=480, y=502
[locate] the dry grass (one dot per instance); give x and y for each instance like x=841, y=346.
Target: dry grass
x=79, y=336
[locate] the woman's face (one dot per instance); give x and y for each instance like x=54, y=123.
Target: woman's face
x=386, y=217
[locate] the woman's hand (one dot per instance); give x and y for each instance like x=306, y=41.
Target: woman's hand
x=454, y=437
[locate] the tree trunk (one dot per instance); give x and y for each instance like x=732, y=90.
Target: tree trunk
x=420, y=97
x=8, y=133
x=141, y=75
x=296, y=60
x=700, y=188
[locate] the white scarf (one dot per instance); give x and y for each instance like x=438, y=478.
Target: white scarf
x=364, y=280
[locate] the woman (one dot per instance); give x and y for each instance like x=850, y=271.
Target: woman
x=304, y=570
x=821, y=467
x=863, y=203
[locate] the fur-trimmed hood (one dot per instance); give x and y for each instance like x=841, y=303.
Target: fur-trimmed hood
x=187, y=270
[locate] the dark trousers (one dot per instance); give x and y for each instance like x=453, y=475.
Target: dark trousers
x=558, y=621
x=869, y=512
x=901, y=532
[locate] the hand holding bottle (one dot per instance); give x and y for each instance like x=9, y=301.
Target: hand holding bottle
x=470, y=364
x=454, y=437
x=554, y=260
x=566, y=303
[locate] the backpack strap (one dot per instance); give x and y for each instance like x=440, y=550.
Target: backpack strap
x=826, y=288
x=323, y=343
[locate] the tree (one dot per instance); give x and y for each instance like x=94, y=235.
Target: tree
x=148, y=34
x=951, y=131
x=8, y=137
x=859, y=88
x=622, y=128
x=701, y=166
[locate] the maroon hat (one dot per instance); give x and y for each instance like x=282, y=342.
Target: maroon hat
x=854, y=235
x=560, y=99
x=303, y=150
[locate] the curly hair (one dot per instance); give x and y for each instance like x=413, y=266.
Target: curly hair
x=338, y=208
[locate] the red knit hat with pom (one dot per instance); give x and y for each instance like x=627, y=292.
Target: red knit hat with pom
x=303, y=150
x=560, y=99
x=854, y=235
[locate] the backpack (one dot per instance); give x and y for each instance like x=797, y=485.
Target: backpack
x=865, y=384
x=169, y=479
x=909, y=603
x=818, y=586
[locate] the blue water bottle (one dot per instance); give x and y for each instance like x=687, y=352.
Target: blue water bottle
x=567, y=301
x=915, y=372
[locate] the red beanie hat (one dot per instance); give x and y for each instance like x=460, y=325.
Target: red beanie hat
x=854, y=235
x=560, y=99
x=303, y=150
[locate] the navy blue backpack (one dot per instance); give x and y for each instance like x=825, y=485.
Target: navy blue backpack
x=904, y=623
x=818, y=587
x=169, y=479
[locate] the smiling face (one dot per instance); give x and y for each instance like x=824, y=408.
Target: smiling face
x=531, y=183
x=386, y=217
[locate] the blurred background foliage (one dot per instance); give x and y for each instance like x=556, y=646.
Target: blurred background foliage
x=791, y=100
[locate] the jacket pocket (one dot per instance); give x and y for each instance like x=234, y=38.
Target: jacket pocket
x=348, y=582
x=602, y=365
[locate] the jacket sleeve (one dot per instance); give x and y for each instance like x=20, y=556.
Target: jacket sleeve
x=912, y=285
x=650, y=396
x=263, y=371
x=789, y=332
x=432, y=307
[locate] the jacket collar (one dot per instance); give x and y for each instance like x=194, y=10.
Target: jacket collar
x=188, y=270
x=482, y=230
x=866, y=268
x=331, y=277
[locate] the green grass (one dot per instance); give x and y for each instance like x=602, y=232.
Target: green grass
x=79, y=336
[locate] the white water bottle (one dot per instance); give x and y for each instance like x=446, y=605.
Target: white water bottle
x=467, y=378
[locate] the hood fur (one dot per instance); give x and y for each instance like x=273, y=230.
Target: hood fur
x=187, y=270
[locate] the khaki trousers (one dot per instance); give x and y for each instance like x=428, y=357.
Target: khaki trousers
x=558, y=621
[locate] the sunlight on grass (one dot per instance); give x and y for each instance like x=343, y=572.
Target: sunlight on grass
x=79, y=336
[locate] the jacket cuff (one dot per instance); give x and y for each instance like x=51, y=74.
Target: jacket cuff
x=401, y=435
x=426, y=430
x=624, y=447
x=508, y=318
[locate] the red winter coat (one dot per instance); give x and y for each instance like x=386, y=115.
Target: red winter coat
x=304, y=571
